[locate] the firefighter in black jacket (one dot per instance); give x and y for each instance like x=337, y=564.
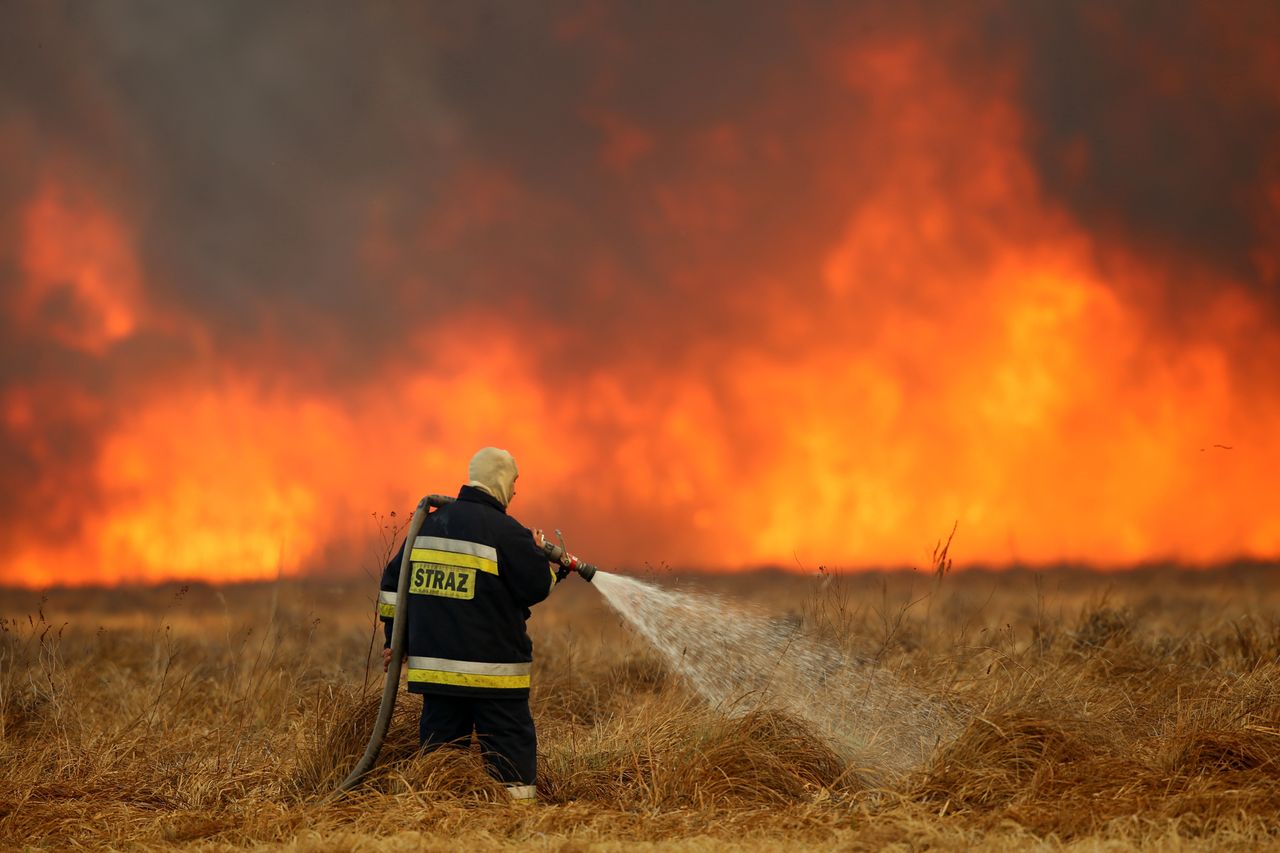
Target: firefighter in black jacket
x=476, y=572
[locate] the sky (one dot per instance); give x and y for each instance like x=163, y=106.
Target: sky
x=738, y=283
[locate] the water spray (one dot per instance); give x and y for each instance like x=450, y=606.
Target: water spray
x=555, y=554
x=741, y=658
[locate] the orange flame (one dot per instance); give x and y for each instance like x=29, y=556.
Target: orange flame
x=82, y=282
x=968, y=352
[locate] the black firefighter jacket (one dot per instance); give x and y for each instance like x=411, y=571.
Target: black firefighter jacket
x=475, y=572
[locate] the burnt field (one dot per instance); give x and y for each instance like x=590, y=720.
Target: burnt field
x=1110, y=711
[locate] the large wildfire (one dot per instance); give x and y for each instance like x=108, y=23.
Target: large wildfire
x=739, y=285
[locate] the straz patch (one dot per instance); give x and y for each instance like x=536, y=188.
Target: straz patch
x=444, y=581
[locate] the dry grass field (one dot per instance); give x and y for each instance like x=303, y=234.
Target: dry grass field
x=1104, y=712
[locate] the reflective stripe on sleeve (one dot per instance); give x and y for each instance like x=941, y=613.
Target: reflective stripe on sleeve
x=465, y=673
x=523, y=793
x=387, y=604
x=553, y=577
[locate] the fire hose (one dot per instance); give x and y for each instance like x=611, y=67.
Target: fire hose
x=555, y=554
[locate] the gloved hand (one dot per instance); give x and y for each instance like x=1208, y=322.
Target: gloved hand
x=562, y=572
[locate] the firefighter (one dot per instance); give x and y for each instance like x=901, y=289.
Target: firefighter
x=476, y=571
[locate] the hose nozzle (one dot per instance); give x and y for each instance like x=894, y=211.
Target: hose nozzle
x=557, y=554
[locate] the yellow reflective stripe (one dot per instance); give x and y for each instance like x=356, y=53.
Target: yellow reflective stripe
x=387, y=610
x=553, y=578
x=451, y=558
x=468, y=679
x=456, y=546
x=474, y=666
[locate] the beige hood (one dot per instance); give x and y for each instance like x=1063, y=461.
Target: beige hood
x=494, y=471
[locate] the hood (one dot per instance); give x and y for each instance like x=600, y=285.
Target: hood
x=494, y=471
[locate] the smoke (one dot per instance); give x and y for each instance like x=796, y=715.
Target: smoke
x=1161, y=128
x=876, y=266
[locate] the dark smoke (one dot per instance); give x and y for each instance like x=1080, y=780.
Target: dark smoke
x=257, y=145
x=1160, y=123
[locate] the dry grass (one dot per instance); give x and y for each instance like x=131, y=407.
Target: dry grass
x=1104, y=712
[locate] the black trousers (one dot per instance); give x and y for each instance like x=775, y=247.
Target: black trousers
x=504, y=728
